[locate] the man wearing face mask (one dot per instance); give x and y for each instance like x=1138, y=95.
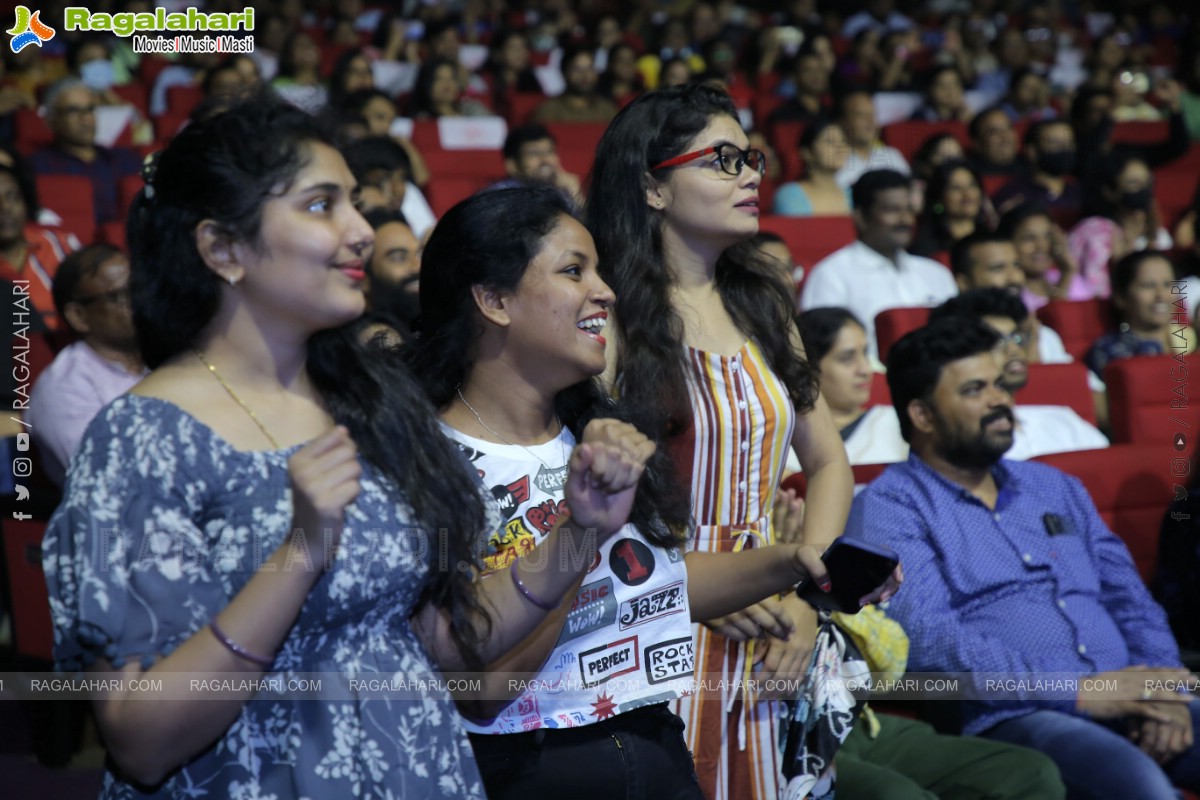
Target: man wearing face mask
x=1124, y=219
x=1050, y=152
x=1015, y=584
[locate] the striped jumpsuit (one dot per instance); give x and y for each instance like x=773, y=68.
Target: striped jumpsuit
x=734, y=451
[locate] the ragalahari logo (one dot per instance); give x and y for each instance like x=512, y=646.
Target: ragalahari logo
x=29, y=30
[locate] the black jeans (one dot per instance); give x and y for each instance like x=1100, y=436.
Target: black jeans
x=638, y=755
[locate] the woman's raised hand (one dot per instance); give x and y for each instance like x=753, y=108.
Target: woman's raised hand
x=603, y=474
x=325, y=479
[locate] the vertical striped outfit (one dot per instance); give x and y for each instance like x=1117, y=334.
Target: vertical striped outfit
x=734, y=450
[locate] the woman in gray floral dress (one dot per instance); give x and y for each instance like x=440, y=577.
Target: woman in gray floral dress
x=275, y=502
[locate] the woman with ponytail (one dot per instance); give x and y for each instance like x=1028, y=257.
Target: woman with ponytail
x=273, y=501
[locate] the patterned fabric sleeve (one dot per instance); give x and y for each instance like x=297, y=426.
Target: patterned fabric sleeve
x=127, y=567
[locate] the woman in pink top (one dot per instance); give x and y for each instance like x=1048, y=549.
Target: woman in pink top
x=1050, y=271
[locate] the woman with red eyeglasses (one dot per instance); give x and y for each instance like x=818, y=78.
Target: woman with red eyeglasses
x=706, y=350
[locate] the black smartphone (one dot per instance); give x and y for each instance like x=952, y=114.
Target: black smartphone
x=855, y=569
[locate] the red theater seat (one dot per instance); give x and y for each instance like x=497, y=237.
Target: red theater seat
x=1131, y=485
x=1148, y=401
x=880, y=395
x=71, y=198
x=892, y=324
x=907, y=137
x=863, y=474
x=1059, y=385
x=811, y=238
x=1078, y=322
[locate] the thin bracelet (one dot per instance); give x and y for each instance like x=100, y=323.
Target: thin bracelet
x=524, y=590
x=236, y=648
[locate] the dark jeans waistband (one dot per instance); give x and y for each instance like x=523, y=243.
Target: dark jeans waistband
x=639, y=718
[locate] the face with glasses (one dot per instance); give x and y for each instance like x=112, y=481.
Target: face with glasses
x=101, y=311
x=73, y=117
x=1011, y=351
x=710, y=190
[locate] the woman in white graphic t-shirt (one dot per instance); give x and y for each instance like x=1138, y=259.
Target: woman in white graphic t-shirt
x=510, y=338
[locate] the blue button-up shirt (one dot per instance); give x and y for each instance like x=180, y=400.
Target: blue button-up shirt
x=994, y=591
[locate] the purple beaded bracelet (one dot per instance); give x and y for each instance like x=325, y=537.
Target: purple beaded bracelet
x=524, y=590
x=236, y=648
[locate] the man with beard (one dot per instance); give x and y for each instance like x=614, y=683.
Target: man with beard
x=393, y=271
x=579, y=101
x=875, y=273
x=531, y=154
x=1040, y=429
x=91, y=293
x=1011, y=574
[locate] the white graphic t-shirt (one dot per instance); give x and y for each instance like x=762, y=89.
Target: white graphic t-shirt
x=627, y=640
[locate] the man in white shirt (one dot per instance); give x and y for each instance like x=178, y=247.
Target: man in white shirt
x=875, y=273
x=855, y=113
x=985, y=259
x=1040, y=430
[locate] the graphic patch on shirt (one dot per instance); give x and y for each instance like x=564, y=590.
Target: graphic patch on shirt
x=662, y=602
x=551, y=481
x=631, y=561
x=593, y=608
x=604, y=707
x=510, y=542
x=510, y=497
x=667, y=661
x=544, y=515
x=615, y=658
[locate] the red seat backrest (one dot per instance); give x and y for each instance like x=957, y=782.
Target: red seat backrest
x=1131, y=486
x=880, y=395
x=863, y=474
x=31, y=131
x=810, y=239
x=181, y=99
x=135, y=94
x=1078, y=322
x=1059, y=385
x=1148, y=401
x=785, y=141
x=892, y=324
x=1141, y=132
x=907, y=137
x=1174, y=190
x=70, y=196
x=521, y=106
x=486, y=165
x=443, y=192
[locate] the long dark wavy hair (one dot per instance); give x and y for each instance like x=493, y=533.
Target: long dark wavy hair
x=489, y=240
x=225, y=169
x=651, y=129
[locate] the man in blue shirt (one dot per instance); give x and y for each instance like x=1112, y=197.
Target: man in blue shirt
x=1011, y=574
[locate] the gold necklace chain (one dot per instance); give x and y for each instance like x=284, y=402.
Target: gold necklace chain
x=496, y=433
x=237, y=399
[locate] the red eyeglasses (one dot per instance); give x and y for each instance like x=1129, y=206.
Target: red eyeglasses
x=730, y=158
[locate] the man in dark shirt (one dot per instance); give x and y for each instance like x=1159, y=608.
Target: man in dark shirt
x=71, y=114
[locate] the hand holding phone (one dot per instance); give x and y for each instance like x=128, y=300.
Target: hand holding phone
x=856, y=569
